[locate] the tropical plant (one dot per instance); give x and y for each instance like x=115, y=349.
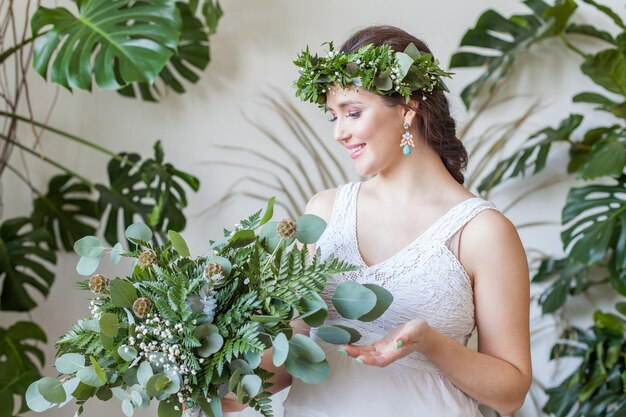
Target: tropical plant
x=594, y=215
x=138, y=48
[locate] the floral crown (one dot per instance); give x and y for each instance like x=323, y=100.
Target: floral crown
x=375, y=68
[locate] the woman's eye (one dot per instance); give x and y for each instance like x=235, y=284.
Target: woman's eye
x=353, y=114
x=331, y=117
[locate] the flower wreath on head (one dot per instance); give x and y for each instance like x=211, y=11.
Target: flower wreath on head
x=375, y=68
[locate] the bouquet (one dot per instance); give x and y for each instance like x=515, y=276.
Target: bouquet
x=187, y=331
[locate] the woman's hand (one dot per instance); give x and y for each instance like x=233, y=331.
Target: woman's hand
x=230, y=404
x=409, y=337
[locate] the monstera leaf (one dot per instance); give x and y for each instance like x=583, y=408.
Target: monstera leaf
x=21, y=255
x=506, y=38
x=193, y=53
x=152, y=190
x=132, y=41
x=596, y=215
x=66, y=211
x=568, y=278
x=17, y=369
x=534, y=154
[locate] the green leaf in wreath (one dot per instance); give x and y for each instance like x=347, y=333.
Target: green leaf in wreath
x=52, y=390
x=132, y=41
x=352, y=300
x=309, y=228
x=66, y=211
x=169, y=408
x=89, y=376
x=179, y=243
x=593, y=215
x=109, y=325
x=209, y=336
x=138, y=232
x=269, y=211
x=35, y=400
x=128, y=353
x=308, y=372
x=116, y=253
x=89, y=247
x=87, y=266
x=304, y=347
x=123, y=293
x=24, y=257
x=251, y=385
x=338, y=334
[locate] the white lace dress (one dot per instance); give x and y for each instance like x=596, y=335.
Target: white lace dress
x=427, y=281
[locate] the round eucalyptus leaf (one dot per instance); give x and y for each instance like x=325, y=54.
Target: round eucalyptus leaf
x=383, y=301
x=156, y=385
x=136, y=398
x=308, y=372
x=127, y=408
x=87, y=266
x=89, y=247
x=241, y=238
x=144, y=373
x=251, y=385
x=123, y=294
x=338, y=335
x=69, y=387
x=253, y=358
x=309, y=228
x=89, y=376
x=169, y=408
x=352, y=300
x=104, y=393
x=107, y=341
x=109, y=325
x=52, y=390
x=70, y=363
x=313, y=309
x=179, y=243
x=211, y=340
x=128, y=353
x=35, y=400
x=225, y=263
x=304, y=347
x=235, y=376
x=173, y=386
x=280, y=349
x=242, y=366
x=116, y=253
x=138, y=232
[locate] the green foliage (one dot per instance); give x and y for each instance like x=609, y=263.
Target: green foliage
x=133, y=43
x=25, y=254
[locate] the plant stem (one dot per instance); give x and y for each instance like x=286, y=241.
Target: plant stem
x=6, y=54
x=51, y=162
x=272, y=255
x=573, y=48
x=69, y=136
x=24, y=179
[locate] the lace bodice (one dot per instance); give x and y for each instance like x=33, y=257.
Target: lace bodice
x=426, y=279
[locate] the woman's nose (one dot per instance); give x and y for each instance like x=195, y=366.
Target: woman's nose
x=341, y=133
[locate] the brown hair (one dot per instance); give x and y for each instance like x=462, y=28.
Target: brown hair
x=433, y=118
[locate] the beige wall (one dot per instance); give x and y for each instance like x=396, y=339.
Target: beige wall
x=253, y=49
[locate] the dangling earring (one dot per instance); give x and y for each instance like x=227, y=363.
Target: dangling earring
x=407, y=140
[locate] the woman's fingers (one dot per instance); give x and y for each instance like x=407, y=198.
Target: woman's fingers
x=355, y=350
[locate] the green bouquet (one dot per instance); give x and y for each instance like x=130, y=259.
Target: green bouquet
x=187, y=331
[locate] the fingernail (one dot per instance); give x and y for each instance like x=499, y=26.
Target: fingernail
x=342, y=351
x=359, y=360
x=399, y=344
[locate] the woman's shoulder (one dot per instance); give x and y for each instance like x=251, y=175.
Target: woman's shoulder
x=321, y=204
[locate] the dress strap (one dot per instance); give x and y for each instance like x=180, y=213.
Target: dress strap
x=460, y=217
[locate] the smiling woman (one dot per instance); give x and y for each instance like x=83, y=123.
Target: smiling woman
x=383, y=92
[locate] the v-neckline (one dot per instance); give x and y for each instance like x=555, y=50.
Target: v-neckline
x=355, y=238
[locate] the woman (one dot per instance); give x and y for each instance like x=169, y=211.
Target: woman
x=403, y=227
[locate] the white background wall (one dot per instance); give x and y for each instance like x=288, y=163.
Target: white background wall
x=253, y=50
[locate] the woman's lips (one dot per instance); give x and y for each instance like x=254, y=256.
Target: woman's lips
x=356, y=153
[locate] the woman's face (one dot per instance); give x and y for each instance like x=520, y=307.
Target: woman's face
x=369, y=130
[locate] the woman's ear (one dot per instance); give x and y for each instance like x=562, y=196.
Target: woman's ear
x=410, y=112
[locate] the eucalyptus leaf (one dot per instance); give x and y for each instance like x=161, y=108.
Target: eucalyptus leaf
x=304, y=347
x=308, y=372
x=127, y=408
x=280, y=349
x=313, y=309
x=211, y=339
x=123, y=293
x=109, y=324
x=138, y=232
x=269, y=211
x=70, y=363
x=116, y=253
x=241, y=238
x=179, y=243
x=269, y=234
x=89, y=247
x=144, y=373
x=253, y=358
x=35, y=400
x=338, y=335
x=352, y=300
x=309, y=228
x=87, y=266
x=168, y=408
x=51, y=390
x=251, y=385
x=89, y=376
x=383, y=301
x=128, y=353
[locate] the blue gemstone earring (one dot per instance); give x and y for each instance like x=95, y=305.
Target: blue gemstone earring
x=407, y=140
